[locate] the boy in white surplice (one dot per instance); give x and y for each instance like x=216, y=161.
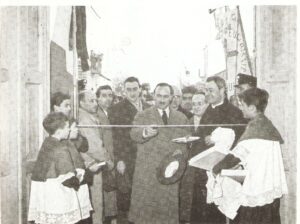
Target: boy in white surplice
x=59, y=193
x=259, y=151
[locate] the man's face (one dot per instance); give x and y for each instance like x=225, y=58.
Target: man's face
x=144, y=95
x=241, y=88
x=105, y=98
x=199, y=104
x=64, y=107
x=187, y=101
x=176, y=101
x=132, y=91
x=89, y=103
x=162, y=97
x=214, y=95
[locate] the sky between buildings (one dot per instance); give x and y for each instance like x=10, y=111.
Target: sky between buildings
x=157, y=41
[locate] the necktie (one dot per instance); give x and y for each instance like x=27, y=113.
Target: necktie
x=165, y=117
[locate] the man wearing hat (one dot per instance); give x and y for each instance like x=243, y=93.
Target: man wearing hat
x=153, y=201
x=245, y=82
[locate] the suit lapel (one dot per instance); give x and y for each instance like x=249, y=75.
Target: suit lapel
x=130, y=106
x=157, y=116
x=103, y=119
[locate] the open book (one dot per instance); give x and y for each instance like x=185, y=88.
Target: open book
x=207, y=159
x=237, y=175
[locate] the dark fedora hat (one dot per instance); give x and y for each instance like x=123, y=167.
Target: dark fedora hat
x=179, y=160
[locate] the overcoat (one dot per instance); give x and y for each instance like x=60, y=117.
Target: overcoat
x=152, y=202
x=124, y=148
x=96, y=152
x=110, y=198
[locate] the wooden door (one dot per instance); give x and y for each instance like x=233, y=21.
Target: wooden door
x=276, y=71
x=24, y=99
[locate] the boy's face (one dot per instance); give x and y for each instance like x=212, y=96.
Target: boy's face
x=64, y=107
x=248, y=111
x=64, y=132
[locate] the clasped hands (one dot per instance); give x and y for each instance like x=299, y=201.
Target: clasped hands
x=76, y=180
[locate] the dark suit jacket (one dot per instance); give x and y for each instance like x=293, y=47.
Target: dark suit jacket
x=223, y=114
x=105, y=132
x=124, y=148
x=187, y=113
x=193, y=190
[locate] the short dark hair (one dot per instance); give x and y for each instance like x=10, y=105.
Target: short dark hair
x=57, y=98
x=220, y=82
x=105, y=87
x=132, y=79
x=189, y=89
x=255, y=96
x=198, y=92
x=164, y=84
x=144, y=87
x=54, y=121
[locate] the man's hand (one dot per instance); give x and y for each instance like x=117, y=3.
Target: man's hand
x=110, y=165
x=121, y=167
x=150, y=132
x=209, y=141
x=72, y=182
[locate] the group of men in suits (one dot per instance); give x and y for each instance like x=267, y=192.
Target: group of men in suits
x=134, y=153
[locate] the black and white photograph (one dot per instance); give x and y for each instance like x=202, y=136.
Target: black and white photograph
x=148, y=112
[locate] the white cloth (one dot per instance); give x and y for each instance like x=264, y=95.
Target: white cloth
x=223, y=139
x=53, y=203
x=266, y=179
x=223, y=191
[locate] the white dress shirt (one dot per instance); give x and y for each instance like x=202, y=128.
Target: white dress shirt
x=160, y=111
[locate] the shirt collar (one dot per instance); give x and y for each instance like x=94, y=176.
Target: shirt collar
x=197, y=118
x=216, y=105
x=160, y=111
x=104, y=111
x=137, y=105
